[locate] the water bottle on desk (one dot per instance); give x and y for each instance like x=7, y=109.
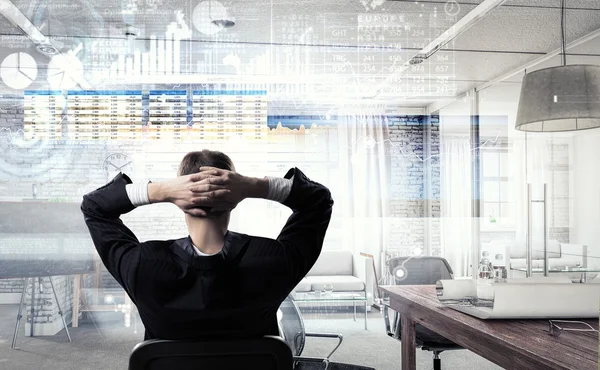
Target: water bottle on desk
x=485, y=277
x=500, y=274
x=486, y=269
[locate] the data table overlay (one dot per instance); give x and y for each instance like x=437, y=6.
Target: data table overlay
x=104, y=115
x=167, y=114
x=43, y=110
x=209, y=114
x=226, y=114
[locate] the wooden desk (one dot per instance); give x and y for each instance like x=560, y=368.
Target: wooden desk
x=79, y=283
x=80, y=303
x=512, y=344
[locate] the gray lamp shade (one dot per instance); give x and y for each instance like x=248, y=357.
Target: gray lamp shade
x=564, y=98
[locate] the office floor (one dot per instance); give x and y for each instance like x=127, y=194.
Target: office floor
x=108, y=347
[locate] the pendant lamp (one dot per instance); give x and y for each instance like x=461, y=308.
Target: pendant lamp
x=563, y=98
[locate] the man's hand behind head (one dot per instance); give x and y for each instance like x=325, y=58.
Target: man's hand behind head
x=184, y=191
x=211, y=189
x=237, y=186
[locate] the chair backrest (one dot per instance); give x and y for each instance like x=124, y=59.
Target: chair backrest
x=269, y=353
x=291, y=326
x=419, y=270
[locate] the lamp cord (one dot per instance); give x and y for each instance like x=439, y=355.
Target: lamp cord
x=562, y=28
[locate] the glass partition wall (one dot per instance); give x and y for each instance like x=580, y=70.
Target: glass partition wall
x=531, y=189
x=534, y=191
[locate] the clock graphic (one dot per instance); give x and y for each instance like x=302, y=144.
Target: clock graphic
x=115, y=163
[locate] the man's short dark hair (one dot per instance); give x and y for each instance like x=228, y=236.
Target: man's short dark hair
x=192, y=162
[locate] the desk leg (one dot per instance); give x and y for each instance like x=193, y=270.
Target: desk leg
x=19, y=316
x=409, y=350
x=32, y=316
x=366, y=315
x=76, y=292
x=127, y=311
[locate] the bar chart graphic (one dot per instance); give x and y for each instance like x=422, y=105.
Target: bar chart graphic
x=162, y=58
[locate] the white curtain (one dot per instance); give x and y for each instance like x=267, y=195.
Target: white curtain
x=455, y=171
x=518, y=181
x=363, y=176
x=530, y=164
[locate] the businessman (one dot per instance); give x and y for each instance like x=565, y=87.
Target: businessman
x=214, y=283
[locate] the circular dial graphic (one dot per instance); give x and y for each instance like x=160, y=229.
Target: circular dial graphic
x=61, y=69
x=18, y=70
x=115, y=163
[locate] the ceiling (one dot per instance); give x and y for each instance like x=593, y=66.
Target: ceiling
x=326, y=50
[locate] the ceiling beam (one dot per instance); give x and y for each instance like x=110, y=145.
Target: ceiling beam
x=19, y=20
x=437, y=105
x=582, y=40
x=463, y=24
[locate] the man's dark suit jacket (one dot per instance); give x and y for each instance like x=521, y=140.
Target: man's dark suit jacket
x=233, y=294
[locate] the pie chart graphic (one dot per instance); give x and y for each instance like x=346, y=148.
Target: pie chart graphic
x=18, y=70
x=61, y=69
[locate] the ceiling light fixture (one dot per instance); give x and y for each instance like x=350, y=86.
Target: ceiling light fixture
x=131, y=32
x=47, y=49
x=562, y=98
x=221, y=23
x=417, y=59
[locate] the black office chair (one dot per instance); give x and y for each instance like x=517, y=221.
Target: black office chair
x=268, y=353
x=419, y=271
x=291, y=327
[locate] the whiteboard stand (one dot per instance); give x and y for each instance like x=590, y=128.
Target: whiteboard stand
x=19, y=315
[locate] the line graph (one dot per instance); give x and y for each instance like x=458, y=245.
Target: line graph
x=370, y=143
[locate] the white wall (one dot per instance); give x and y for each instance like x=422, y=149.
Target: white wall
x=454, y=118
x=585, y=223
x=500, y=100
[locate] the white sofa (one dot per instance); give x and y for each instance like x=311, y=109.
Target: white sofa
x=345, y=272
x=559, y=254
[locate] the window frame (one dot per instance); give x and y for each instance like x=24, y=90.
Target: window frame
x=500, y=180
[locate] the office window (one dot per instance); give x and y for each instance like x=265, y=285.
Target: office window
x=497, y=205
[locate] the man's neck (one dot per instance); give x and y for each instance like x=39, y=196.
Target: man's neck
x=206, y=234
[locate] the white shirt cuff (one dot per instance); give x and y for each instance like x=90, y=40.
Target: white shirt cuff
x=279, y=188
x=138, y=193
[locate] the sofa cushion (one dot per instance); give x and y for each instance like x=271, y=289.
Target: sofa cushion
x=303, y=286
x=552, y=246
x=553, y=263
x=518, y=248
x=332, y=263
x=339, y=283
x=521, y=263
